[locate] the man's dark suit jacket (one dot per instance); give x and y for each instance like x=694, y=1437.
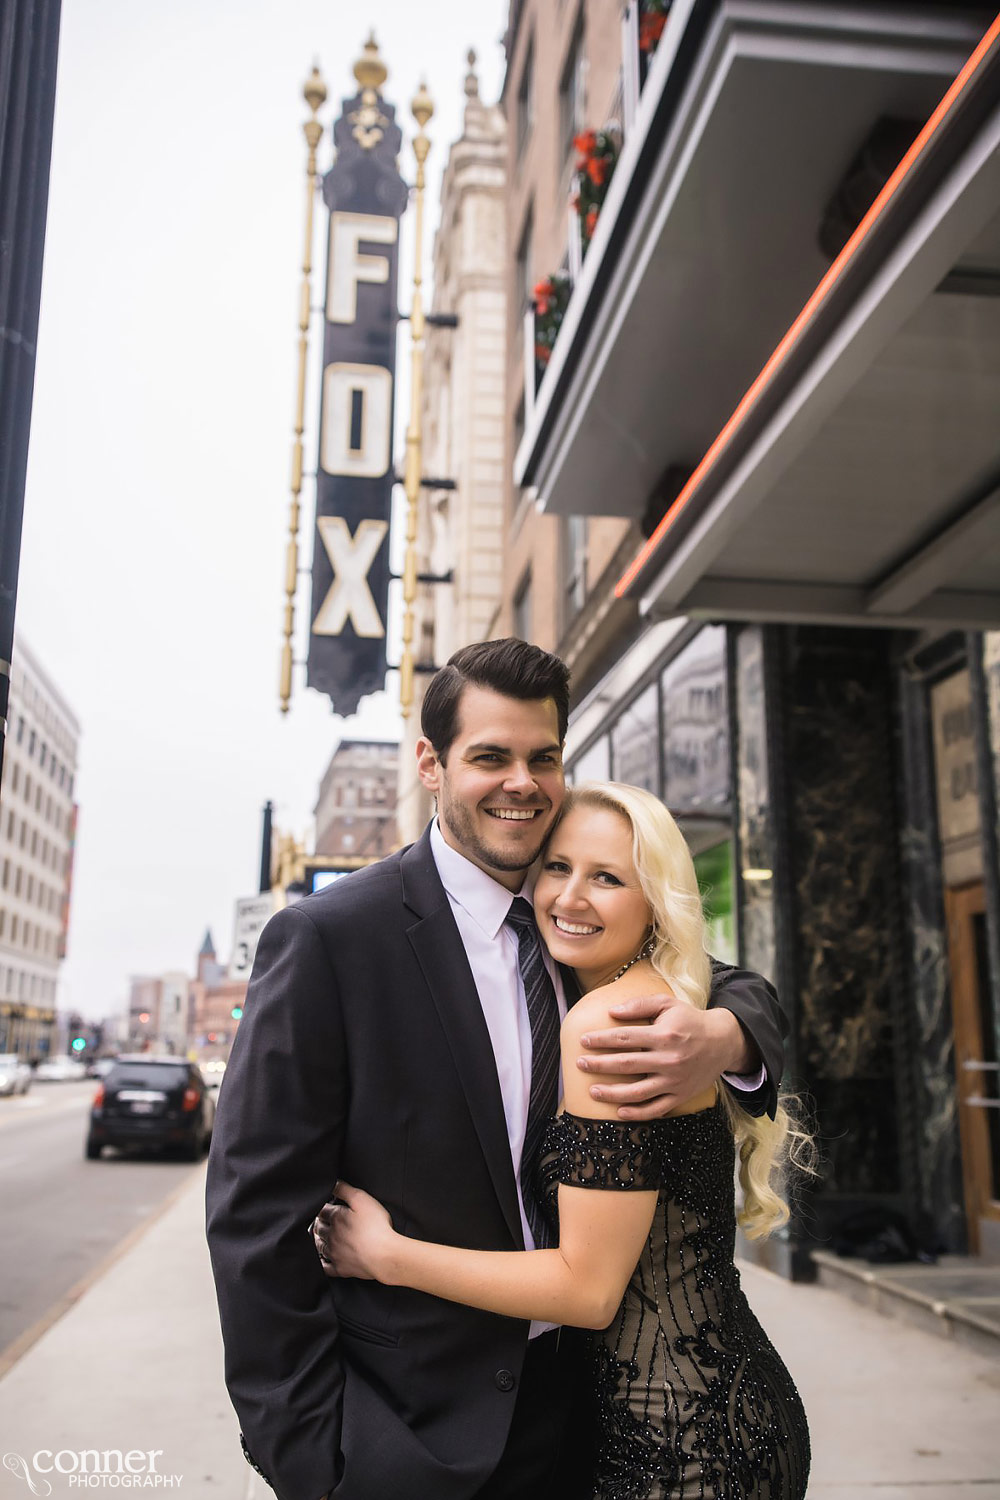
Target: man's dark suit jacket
x=363, y=1054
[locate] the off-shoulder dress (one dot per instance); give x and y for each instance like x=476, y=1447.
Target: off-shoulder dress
x=692, y=1401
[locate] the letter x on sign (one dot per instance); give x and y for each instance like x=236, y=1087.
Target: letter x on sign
x=349, y=597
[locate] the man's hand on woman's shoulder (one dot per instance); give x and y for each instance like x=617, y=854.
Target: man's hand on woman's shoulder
x=666, y=1053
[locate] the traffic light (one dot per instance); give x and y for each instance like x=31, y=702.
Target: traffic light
x=78, y=1043
x=237, y=1012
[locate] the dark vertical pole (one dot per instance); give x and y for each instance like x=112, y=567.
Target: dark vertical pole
x=29, y=44
x=265, y=849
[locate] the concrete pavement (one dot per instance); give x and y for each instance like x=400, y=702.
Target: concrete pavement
x=136, y=1365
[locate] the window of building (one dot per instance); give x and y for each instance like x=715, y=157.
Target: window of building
x=20, y=730
x=13, y=927
x=29, y=894
x=696, y=725
x=635, y=742
x=38, y=799
x=27, y=788
x=522, y=608
x=5, y=877
x=575, y=551
x=572, y=93
x=31, y=742
x=519, y=423
x=3, y=921
x=594, y=764
x=17, y=881
x=34, y=842
x=525, y=100
x=15, y=777
x=524, y=287
x=43, y=754
x=22, y=838
x=10, y=826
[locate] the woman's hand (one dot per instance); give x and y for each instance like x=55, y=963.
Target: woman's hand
x=354, y=1235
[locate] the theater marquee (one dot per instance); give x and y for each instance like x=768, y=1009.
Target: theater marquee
x=350, y=573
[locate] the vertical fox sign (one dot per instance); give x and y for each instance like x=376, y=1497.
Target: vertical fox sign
x=350, y=573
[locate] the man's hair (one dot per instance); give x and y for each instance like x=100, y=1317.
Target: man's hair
x=510, y=667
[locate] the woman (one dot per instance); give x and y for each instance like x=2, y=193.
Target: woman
x=692, y=1399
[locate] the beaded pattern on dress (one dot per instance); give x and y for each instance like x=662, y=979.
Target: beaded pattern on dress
x=693, y=1402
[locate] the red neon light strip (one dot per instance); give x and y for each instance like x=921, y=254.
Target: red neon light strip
x=832, y=276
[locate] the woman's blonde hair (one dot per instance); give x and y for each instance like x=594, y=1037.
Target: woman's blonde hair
x=668, y=882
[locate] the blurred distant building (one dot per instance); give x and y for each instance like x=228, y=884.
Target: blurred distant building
x=751, y=396
x=37, y=834
x=356, y=809
x=214, y=998
x=144, y=1001
x=461, y=519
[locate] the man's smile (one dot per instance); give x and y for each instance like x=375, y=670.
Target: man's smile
x=515, y=814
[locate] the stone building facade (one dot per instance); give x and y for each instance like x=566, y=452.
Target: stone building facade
x=460, y=529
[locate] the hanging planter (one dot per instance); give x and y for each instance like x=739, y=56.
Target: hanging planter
x=595, y=165
x=551, y=298
x=652, y=19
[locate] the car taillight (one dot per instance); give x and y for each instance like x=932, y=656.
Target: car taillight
x=190, y=1100
x=99, y=1096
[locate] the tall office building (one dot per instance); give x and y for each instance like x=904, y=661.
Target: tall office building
x=37, y=831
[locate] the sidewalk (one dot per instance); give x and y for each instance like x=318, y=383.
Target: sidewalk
x=136, y=1364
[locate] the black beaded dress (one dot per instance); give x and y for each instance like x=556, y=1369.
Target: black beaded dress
x=693, y=1402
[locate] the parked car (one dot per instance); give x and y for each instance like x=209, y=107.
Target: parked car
x=60, y=1070
x=15, y=1075
x=154, y=1102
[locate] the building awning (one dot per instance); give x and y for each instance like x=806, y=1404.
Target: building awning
x=862, y=472
x=859, y=479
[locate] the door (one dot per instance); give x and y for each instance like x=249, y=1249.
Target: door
x=975, y=1058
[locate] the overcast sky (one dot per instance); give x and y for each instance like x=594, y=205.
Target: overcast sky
x=157, y=499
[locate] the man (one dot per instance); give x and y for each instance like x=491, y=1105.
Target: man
x=391, y=1027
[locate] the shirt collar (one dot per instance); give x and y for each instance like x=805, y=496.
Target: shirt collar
x=485, y=899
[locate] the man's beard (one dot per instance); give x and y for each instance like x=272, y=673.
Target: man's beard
x=461, y=823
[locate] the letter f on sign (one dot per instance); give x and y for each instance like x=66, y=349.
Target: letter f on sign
x=349, y=597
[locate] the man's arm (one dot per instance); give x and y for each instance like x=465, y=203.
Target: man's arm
x=275, y=1156
x=680, y=1051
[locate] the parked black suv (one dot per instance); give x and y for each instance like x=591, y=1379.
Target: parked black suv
x=153, y=1102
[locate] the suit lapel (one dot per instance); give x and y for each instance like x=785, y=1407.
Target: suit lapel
x=439, y=950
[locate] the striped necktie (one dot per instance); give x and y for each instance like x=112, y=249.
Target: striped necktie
x=543, y=1017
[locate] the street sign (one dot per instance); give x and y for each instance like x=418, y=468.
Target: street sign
x=251, y=914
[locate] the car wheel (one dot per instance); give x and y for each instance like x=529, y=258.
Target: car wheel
x=93, y=1150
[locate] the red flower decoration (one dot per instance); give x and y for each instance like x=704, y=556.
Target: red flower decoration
x=585, y=142
x=590, y=222
x=597, y=170
x=650, y=30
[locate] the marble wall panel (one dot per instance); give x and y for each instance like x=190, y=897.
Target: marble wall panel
x=928, y=1098
x=845, y=895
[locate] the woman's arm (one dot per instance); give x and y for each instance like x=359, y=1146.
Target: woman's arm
x=601, y=1235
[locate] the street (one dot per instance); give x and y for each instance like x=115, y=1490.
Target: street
x=63, y=1216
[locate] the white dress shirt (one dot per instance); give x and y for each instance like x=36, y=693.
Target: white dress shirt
x=480, y=905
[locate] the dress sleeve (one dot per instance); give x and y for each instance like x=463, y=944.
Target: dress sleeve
x=615, y=1155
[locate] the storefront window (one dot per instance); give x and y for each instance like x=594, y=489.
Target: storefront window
x=696, y=726
x=714, y=869
x=756, y=842
x=594, y=764
x=635, y=742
